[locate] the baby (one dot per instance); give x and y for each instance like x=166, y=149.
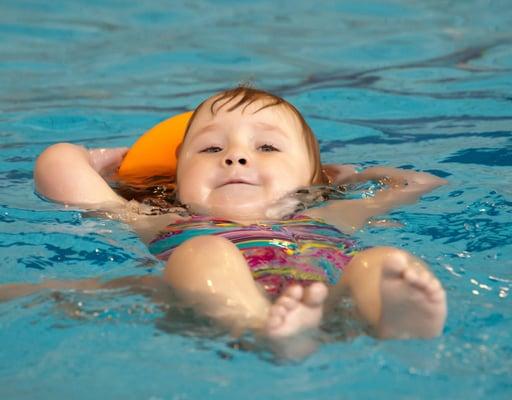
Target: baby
x=243, y=258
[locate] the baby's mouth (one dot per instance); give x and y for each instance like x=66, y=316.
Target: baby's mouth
x=236, y=182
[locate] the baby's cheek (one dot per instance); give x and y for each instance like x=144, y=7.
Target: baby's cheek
x=280, y=189
x=197, y=193
x=193, y=186
x=295, y=177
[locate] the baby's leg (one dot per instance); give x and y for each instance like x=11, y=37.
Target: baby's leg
x=12, y=291
x=211, y=274
x=149, y=285
x=395, y=293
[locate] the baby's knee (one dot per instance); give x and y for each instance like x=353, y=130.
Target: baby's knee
x=385, y=251
x=201, y=253
x=203, y=246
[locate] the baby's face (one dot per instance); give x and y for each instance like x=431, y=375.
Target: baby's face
x=234, y=164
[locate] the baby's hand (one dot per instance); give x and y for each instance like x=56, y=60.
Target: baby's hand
x=339, y=174
x=107, y=161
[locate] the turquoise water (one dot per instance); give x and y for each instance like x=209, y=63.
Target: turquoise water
x=424, y=85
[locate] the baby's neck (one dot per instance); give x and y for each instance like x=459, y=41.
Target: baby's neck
x=240, y=215
x=250, y=214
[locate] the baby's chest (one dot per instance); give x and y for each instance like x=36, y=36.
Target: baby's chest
x=291, y=235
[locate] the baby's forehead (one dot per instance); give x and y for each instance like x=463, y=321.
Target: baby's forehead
x=265, y=108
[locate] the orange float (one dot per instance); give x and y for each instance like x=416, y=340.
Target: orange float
x=154, y=153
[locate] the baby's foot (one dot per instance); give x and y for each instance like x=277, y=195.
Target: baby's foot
x=296, y=310
x=413, y=300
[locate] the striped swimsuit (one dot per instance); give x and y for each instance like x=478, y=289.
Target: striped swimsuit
x=300, y=249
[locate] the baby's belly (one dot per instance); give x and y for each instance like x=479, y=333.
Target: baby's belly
x=275, y=268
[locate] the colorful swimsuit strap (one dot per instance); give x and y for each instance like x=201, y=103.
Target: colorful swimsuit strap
x=175, y=234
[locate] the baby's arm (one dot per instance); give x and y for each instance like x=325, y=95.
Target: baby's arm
x=403, y=187
x=71, y=174
x=339, y=174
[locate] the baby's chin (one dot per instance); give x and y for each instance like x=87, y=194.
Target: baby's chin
x=238, y=207
x=243, y=203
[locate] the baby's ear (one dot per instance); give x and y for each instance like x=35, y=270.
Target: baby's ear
x=178, y=150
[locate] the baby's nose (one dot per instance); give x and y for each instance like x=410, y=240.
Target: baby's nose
x=234, y=160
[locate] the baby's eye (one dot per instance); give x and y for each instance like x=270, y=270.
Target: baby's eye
x=268, y=148
x=211, y=149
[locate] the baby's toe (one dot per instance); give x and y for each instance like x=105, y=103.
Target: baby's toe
x=436, y=290
x=434, y=284
x=277, y=310
x=274, y=321
x=411, y=276
x=288, y=303
x=315, y=294
x=276, y=315
x=294, y=292
x=418, y=278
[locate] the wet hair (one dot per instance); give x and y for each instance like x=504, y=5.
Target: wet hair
x=245, y=97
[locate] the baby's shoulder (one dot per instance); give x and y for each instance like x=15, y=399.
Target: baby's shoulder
x=148, y=222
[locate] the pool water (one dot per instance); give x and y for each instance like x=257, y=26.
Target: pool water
x=423, y=85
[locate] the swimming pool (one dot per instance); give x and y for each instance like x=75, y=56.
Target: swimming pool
x=422, y=85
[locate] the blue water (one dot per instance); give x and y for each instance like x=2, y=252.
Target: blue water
x=424, y=85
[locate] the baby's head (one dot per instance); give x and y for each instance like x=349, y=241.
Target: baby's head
x=243, y=150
